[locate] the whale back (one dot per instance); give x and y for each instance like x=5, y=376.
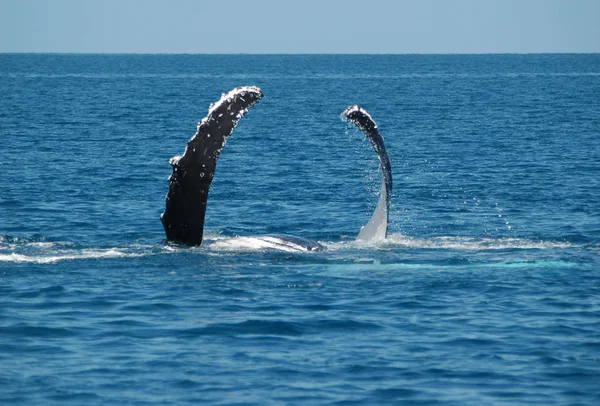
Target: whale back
x=193, y=172
x=377, y=227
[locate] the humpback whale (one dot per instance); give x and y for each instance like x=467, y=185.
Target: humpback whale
x=193, y=172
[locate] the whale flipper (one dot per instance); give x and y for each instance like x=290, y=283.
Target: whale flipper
x=183, y=218
x=376, y=228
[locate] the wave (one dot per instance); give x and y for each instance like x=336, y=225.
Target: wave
x=399, y=241
x=473, y=244
x=38, y=250
x=83, y=254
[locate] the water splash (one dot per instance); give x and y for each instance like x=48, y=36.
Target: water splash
x=75, y=255
x=398, y=241
x=39, y=250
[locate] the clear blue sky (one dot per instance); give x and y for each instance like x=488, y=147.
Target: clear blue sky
x=307, y=26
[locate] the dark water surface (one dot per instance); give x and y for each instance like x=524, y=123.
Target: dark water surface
x=486, y=292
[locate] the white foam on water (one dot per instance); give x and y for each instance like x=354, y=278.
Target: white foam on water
x=451, y=243
x=24, y=250
x=474, y=244
x=48, y=258
x=44, y=252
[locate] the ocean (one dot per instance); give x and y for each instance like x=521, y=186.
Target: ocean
x=486, y=291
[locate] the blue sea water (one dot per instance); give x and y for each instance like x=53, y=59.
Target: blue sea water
x=487, y=290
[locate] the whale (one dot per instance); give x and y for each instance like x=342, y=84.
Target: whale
x=193, y=172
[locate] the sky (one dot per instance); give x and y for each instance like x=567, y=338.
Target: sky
x=307, y=26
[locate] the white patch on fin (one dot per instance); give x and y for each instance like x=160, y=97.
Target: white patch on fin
x=376, y=228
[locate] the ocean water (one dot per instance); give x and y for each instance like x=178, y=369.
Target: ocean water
x=487, y=290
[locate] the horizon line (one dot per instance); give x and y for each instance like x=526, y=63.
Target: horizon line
x=296, y=53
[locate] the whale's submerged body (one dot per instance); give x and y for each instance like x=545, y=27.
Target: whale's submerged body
x=193, y=172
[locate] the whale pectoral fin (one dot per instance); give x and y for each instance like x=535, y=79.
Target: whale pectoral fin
x=376, y=228
x=213, y=130
x=183, y=218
